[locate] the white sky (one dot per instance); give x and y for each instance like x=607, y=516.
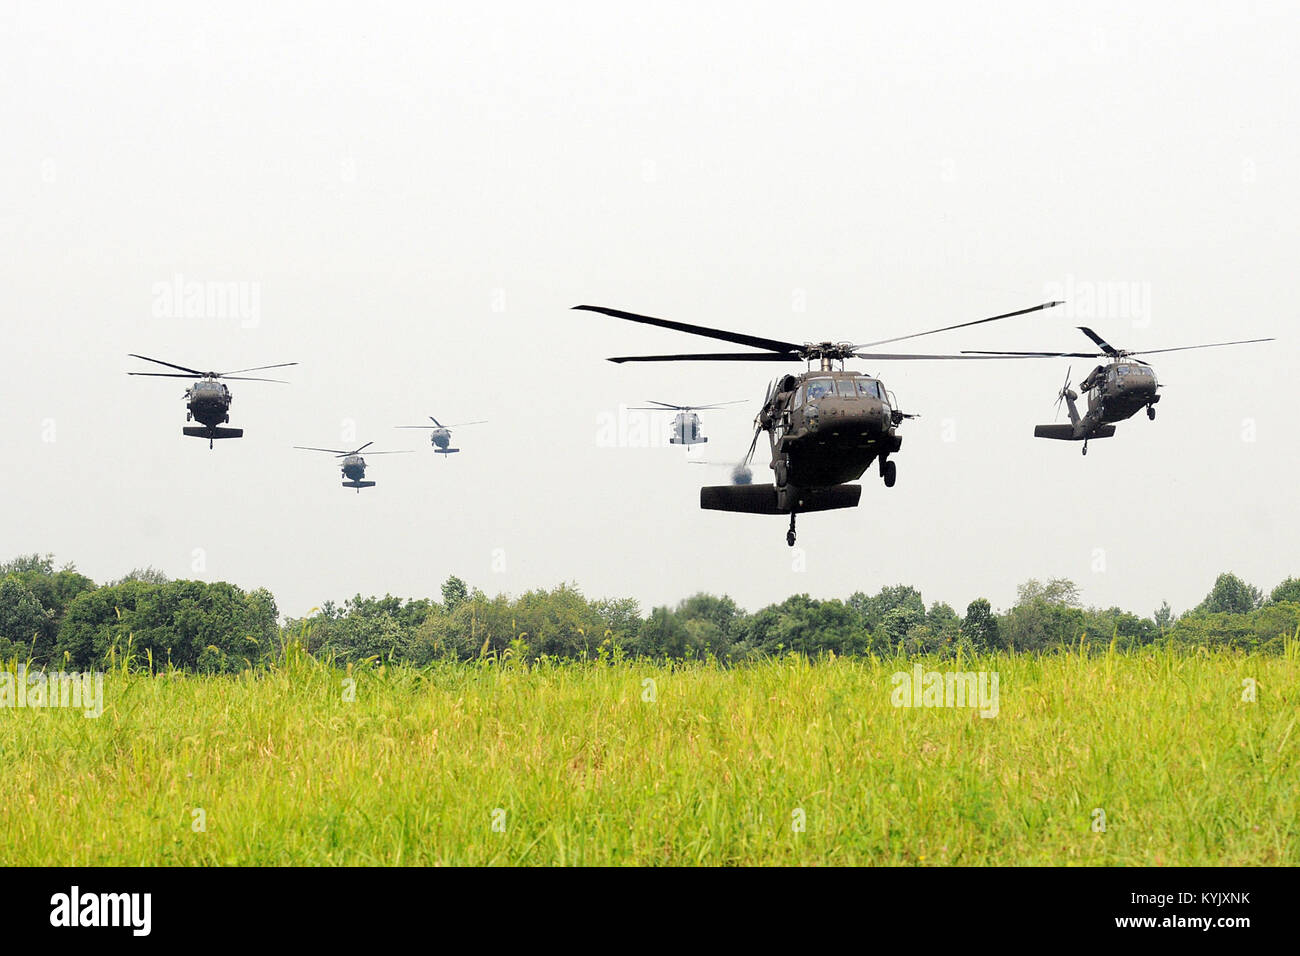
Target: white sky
x=417, y=193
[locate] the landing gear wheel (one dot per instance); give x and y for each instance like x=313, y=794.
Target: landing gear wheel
x=789, y=535
x=1151, y=412
x=889, y=472
x=1085, y=447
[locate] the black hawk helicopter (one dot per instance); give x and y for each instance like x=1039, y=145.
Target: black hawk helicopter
x=440, y=434
x=686, y=424
x=353, y=465
x=1116, y=390
x=825, y=426
x=208, y=400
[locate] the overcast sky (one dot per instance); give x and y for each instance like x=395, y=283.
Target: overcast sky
x=410, y=197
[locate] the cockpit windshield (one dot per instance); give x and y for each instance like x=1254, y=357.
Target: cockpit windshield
x=868, y=387
x=820, y=388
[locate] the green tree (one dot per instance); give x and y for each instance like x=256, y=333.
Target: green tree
x=1059, y=591
x=621, y=616
x=664, y=634
x=943, y=622
x=1164, y=616
x=1288, y=590
x=26, y=628
x=39, y=563
x=1044, y=616
x=97, y=620
x=454, y=593
x=149, y=575
x=981, y=625
x=1231, y=595
x=805, y=626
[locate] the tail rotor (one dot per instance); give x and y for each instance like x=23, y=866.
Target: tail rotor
x=1063, y=393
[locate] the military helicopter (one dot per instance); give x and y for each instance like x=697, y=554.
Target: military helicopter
x=825, y=426
x=440, y=434
x=208, y=400
x=686, y=424
x=1116, y=390
x=354, y=466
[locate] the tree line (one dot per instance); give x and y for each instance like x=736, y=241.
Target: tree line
x=59, y=618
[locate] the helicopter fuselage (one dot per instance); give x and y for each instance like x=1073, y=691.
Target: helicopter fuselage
x=208, y=402
x=354, y=467
x=1118, y=391
x=826, y=428
x=686, y=430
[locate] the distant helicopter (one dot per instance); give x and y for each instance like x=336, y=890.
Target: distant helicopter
x=208, y=400
x=686, y=424
x=825, y=427
x=1115, y=390
x=440, y=434
x=354, y=466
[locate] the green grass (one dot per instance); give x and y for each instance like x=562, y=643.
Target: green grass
x=711, y=772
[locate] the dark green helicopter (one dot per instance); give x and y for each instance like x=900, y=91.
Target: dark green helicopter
x=440, y=434
x=825, y=426
x=1116, y=391
x=208, y=401
x=353, y=465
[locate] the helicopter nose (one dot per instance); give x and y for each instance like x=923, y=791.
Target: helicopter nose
x=854, y=416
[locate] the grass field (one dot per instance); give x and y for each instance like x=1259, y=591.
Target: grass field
x=569, y=764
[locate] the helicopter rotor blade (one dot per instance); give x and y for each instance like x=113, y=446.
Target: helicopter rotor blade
x=712, y=357
x=962, y=325
x=1035, y=354
x=1060, y=396
x=250, y=378
x=404, y=451
x=257, y=369
x=168, y=364
x=758, y=425
x=162, y=374
x=435, y=421
x=1101, y=343
x=463, y=424
x=332, y=451
x=739, y=338
x=905, y=357
x=1210, y=345
x=664, y=406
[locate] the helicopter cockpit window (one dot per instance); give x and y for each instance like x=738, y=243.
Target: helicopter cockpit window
x=868, y=387
x=820, y=388
x=798, y=397
x=844, y=387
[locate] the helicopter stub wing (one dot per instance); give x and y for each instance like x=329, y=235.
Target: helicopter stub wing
x=1067, y=433
x=200, y=431
x=762, y=499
